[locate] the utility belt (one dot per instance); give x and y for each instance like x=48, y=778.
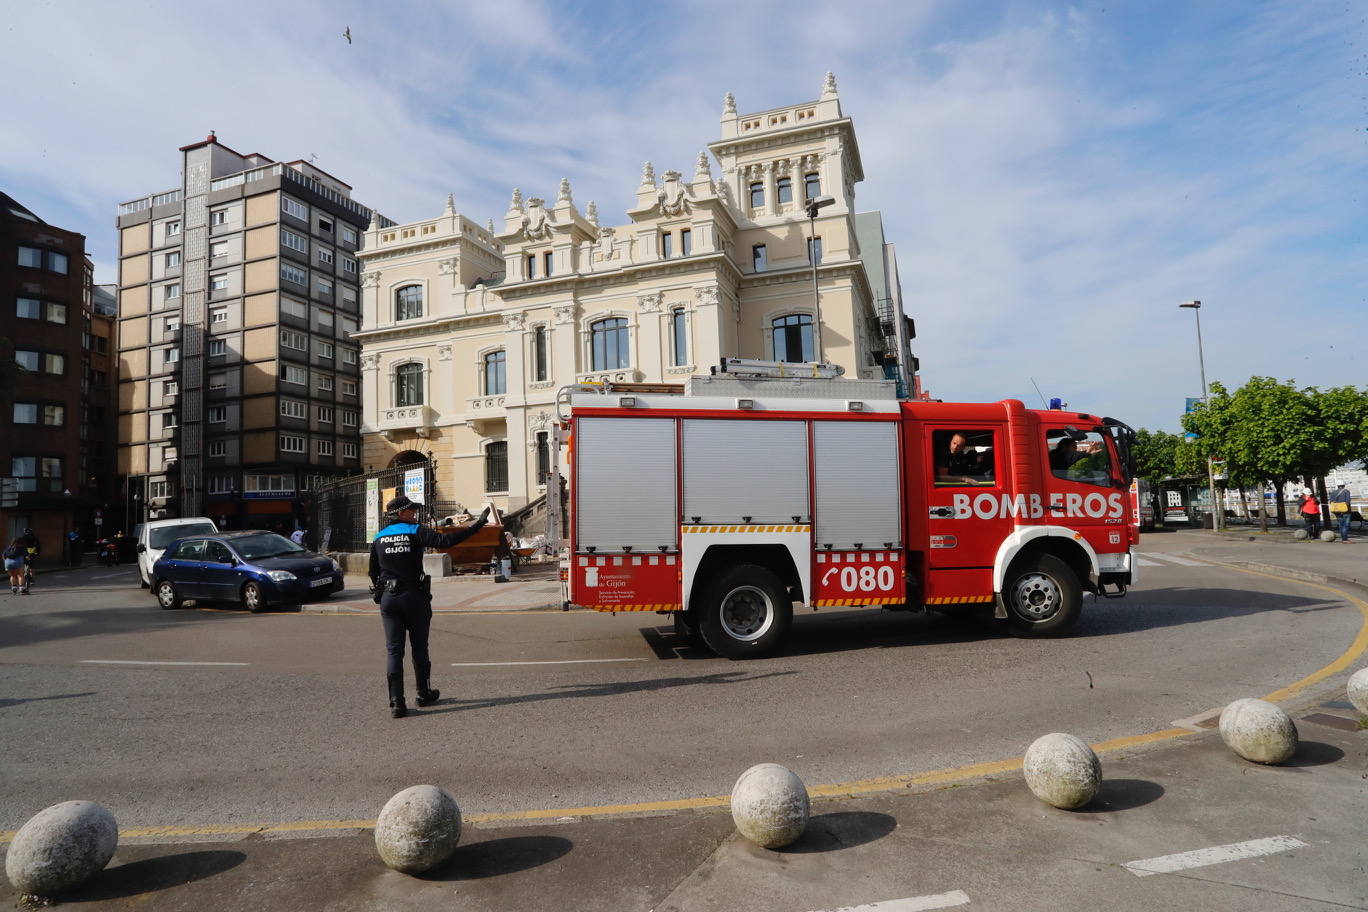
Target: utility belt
x=394, y=586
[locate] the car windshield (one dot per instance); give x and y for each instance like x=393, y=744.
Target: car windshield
x=266, y=544
x=161, y=536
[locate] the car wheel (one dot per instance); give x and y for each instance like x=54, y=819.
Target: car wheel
x=1042, y=596
x=746, y=612
x=167, y=596
x=253, y=597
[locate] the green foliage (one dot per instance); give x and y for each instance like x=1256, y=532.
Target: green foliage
x=1156, y=454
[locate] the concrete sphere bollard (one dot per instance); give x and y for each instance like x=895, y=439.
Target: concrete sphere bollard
x=1258, y=730
x=1358, y=690
x=418, y=829
x=1062, y=770
x=61, y=847
x=770, y=805
x=1301, y=534
x=1329, y=535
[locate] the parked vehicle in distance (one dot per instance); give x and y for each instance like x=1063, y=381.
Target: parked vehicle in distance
x=154, y=536
x=252, y=567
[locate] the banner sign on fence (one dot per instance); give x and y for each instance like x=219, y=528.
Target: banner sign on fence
x=413, y=485
x=372, y=508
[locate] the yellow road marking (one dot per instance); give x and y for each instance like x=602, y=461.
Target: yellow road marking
x=836, y=789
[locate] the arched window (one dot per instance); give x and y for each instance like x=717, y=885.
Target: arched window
x=784, y=186
x=495, y=376
x=408, y=302
x=496, y=465
x=812, y=185
x=408, y=384
x=608, y=343
x=757, y=194
x=792, y=337
x=540, y=361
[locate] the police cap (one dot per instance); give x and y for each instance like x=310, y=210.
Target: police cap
x=399, y=504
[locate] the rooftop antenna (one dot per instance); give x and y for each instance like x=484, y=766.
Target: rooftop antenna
x=1038, y=392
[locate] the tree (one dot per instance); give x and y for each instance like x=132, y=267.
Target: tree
x=1156, y=454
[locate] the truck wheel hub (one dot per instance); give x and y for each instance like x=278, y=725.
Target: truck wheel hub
x=1036, y=597
x=746, y=613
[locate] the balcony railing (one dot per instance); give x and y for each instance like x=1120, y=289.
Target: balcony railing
x=617, y=375
x=147, y=202
x=486, y=404
x=279, y=169
x=417, y=418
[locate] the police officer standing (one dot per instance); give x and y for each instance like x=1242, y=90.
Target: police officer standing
x=404, y=593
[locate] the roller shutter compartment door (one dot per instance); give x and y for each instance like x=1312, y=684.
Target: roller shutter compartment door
x=625, y=480
x=745, y=467
x=856, y=467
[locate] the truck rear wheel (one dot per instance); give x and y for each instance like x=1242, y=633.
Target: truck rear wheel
x=1042, y=596
x=746, y=612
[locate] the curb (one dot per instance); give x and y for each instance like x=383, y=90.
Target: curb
x=350, y=609
x=1294, y=573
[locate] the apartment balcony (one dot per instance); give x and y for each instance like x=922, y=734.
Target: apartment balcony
x=616, y=375
x=404, y=420
x=484, y=412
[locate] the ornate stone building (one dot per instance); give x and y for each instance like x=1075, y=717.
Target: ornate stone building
x=468, y=332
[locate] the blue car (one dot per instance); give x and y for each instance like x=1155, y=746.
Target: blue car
x=254, y=568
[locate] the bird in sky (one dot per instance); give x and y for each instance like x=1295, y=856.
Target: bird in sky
x=347, y=35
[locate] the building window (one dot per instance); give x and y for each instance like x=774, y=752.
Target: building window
x=325, y=225
x=56, y=313
x=348, y=451
x=169, y=388
x=325, y=288
x=217, y=448
x=666, y=245
x=218, y=414
x=273, y=483
x=495, y=376
x=218, y=250
x=25, y=472
x=293, y=241
x=348, y=356
x=218, y=315
x=349, y=418
x=290, y=408
x=291, y=207
x=28, y=308
x=539, y=354
x=56, y=364
x=218, y=217
x=758, y=258
x=220, y=484
x=172, y=324
x=812, y=185
x=496, y=466
x=349, y=387
x=679, y=336
x=792, y=337
x=25, y=413
x=757, y=194
x=349, y=237
x=548, y=259
x=54, y=415
x=173, y=259
x=325, y=448
x=349, y=265
x=291, y=443
x=169, y=420
x=218, y=347
x=57, y=262
x=171, y=292
x=408, y=302
x=292, y=374
x=173, y=229
x=531, y=265
x=543, y=456
x=408, y=384
x=294, y=274
x=28, y=360
x=157, y=490
x=325, y=321
x=325, y=383
x=325, y=350
x=608, y=343
x=685, y=242
x=784, y=186
x=218, y=382
x=325, y=256
x=327, y=414
x=218, y=283
x=296, y=340
x=814, y=250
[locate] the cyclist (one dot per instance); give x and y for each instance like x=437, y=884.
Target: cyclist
x=32, y=548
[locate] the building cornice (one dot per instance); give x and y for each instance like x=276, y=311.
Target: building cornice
x=435, y=326
x=586, y=281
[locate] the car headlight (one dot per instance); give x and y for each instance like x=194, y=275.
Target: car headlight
x=337, y=568
x=281, y=576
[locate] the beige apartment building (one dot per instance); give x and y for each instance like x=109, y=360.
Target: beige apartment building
x=238, y=295
x=468, y=331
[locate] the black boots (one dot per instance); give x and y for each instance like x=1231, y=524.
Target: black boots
x=398, y=708
x=426, y=695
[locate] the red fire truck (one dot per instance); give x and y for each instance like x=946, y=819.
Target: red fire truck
x=732, y=503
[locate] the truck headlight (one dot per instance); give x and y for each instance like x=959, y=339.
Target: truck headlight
x=281, y=576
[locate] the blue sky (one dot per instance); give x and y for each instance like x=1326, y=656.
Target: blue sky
x=1056, y=177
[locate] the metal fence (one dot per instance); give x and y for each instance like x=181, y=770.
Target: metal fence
x=340, y=510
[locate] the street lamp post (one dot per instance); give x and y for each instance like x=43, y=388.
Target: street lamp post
x=812, y=205
x=1217, y=513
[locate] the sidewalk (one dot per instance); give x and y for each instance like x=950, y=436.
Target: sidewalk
x=534, y=588
x=1277, y=552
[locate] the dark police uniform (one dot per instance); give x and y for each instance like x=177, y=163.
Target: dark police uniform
x=403, y=592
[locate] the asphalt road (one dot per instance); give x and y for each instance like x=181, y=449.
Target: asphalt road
x=285, y=718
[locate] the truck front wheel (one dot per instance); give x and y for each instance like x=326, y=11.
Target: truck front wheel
x=745, y=613
x=1042, y=596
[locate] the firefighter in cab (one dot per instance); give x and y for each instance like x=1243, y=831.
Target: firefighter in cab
x=404, y=593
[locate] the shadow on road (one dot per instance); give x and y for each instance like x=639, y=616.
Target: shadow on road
x=153, y=874
x=1315, y=753
x=1124, y=795
x=841, y=830
x=497, y=857
x=16, y=701
x=609, y=689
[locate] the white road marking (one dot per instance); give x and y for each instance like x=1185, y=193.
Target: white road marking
x=913, y=903
x=1147, y=563
x=1200, y=858
x=1175, y=559
x=132, y=662
x=555, y=662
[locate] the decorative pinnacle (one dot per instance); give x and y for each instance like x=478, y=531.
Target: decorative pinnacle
x=728, y=104
x=489, y=226
x=829, y=84
x=704, y=170
x=564, y=195
x=450, y=205
x=516, y=202
x=591, y=213
x=648, y=173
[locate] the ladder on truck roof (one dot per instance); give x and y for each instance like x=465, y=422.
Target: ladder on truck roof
x=755, y=369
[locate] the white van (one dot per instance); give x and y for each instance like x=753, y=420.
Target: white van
x=154, y=536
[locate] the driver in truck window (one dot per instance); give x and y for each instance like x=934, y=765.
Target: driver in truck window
x=963, y=457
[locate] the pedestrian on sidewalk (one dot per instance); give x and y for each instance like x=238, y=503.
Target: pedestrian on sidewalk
x=14, y=564
x=404, y=593
x=1311, y=512
x=298, y=536
x=1339, y=508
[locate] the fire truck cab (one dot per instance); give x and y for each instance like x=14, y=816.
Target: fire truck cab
x=730, y=504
